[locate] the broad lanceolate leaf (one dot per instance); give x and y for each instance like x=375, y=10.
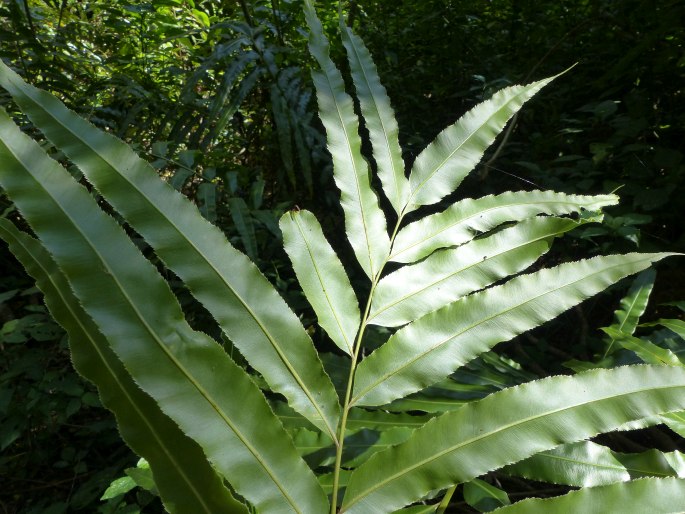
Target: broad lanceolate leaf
x=645, y=350
x=633, y=305
x=322, y=277
x=447, y=275
x=249, y=310
x=189, y=375
x=509, y=426
x=443, y=164
x=364, y=220
x=675, y=421
x=588, y=464
x=460, y=222
x=435, y=345
x=379, y=119
x=653, y=495
x=185, y=479
x=484, y=497
x=676, y=325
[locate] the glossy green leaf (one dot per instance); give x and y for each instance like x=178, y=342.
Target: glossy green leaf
x=676, y=325
x=443, y=164
x=675, y=421
x=418, y=509
x=185, y=479
x=379, y=119
x=633, y=305
x=365, y=223
x=653, y=495
x=381, y=420
x=326, y=480
x=466, y=218
x=645, y=350
x=142, y=475
x=118, y=487
x=588, y=464
x=189, y=375
x=447, y=275
x=429, y=403
x=484, y=497
x=372, y=442
x=249, y=310
x=435, y=345
x=322, y=277
x=507, y=427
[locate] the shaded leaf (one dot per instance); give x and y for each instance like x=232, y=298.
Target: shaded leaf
x=507, y=427
x=676, y=325
x=240, y=214
x=645, y=350
x=588, y=464
x=484, y=497
x=633, y=305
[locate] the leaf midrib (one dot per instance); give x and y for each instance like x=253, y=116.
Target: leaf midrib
x=465, y=140
x=499, y=429
x=463, y=269
x=322, y=283
x=192, y=245
x=348, y=147
x=106, y=268
x=408, y=363
x=465, y=219
x=394, y=174
x=105, y=363
x=622, y=467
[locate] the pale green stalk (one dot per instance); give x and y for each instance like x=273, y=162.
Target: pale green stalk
x=446, y=500
x=350, y=379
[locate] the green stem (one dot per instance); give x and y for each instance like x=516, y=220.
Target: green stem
x=246, y=13
x=446, y=500
x=350, y=379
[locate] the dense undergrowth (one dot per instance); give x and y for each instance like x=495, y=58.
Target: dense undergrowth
x=159, y=73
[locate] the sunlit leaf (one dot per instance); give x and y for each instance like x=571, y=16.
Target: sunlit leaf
x=461, y=221
x=653, y=495
x=507, y=427
x=437, y=344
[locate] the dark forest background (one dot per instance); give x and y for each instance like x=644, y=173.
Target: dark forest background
x=217, y=95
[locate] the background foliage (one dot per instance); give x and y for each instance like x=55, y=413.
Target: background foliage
x=158, y=72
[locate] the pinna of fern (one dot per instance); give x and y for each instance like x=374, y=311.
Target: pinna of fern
x=212, y=439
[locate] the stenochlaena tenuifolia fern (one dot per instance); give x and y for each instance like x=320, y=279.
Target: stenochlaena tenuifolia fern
x=339, y=433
